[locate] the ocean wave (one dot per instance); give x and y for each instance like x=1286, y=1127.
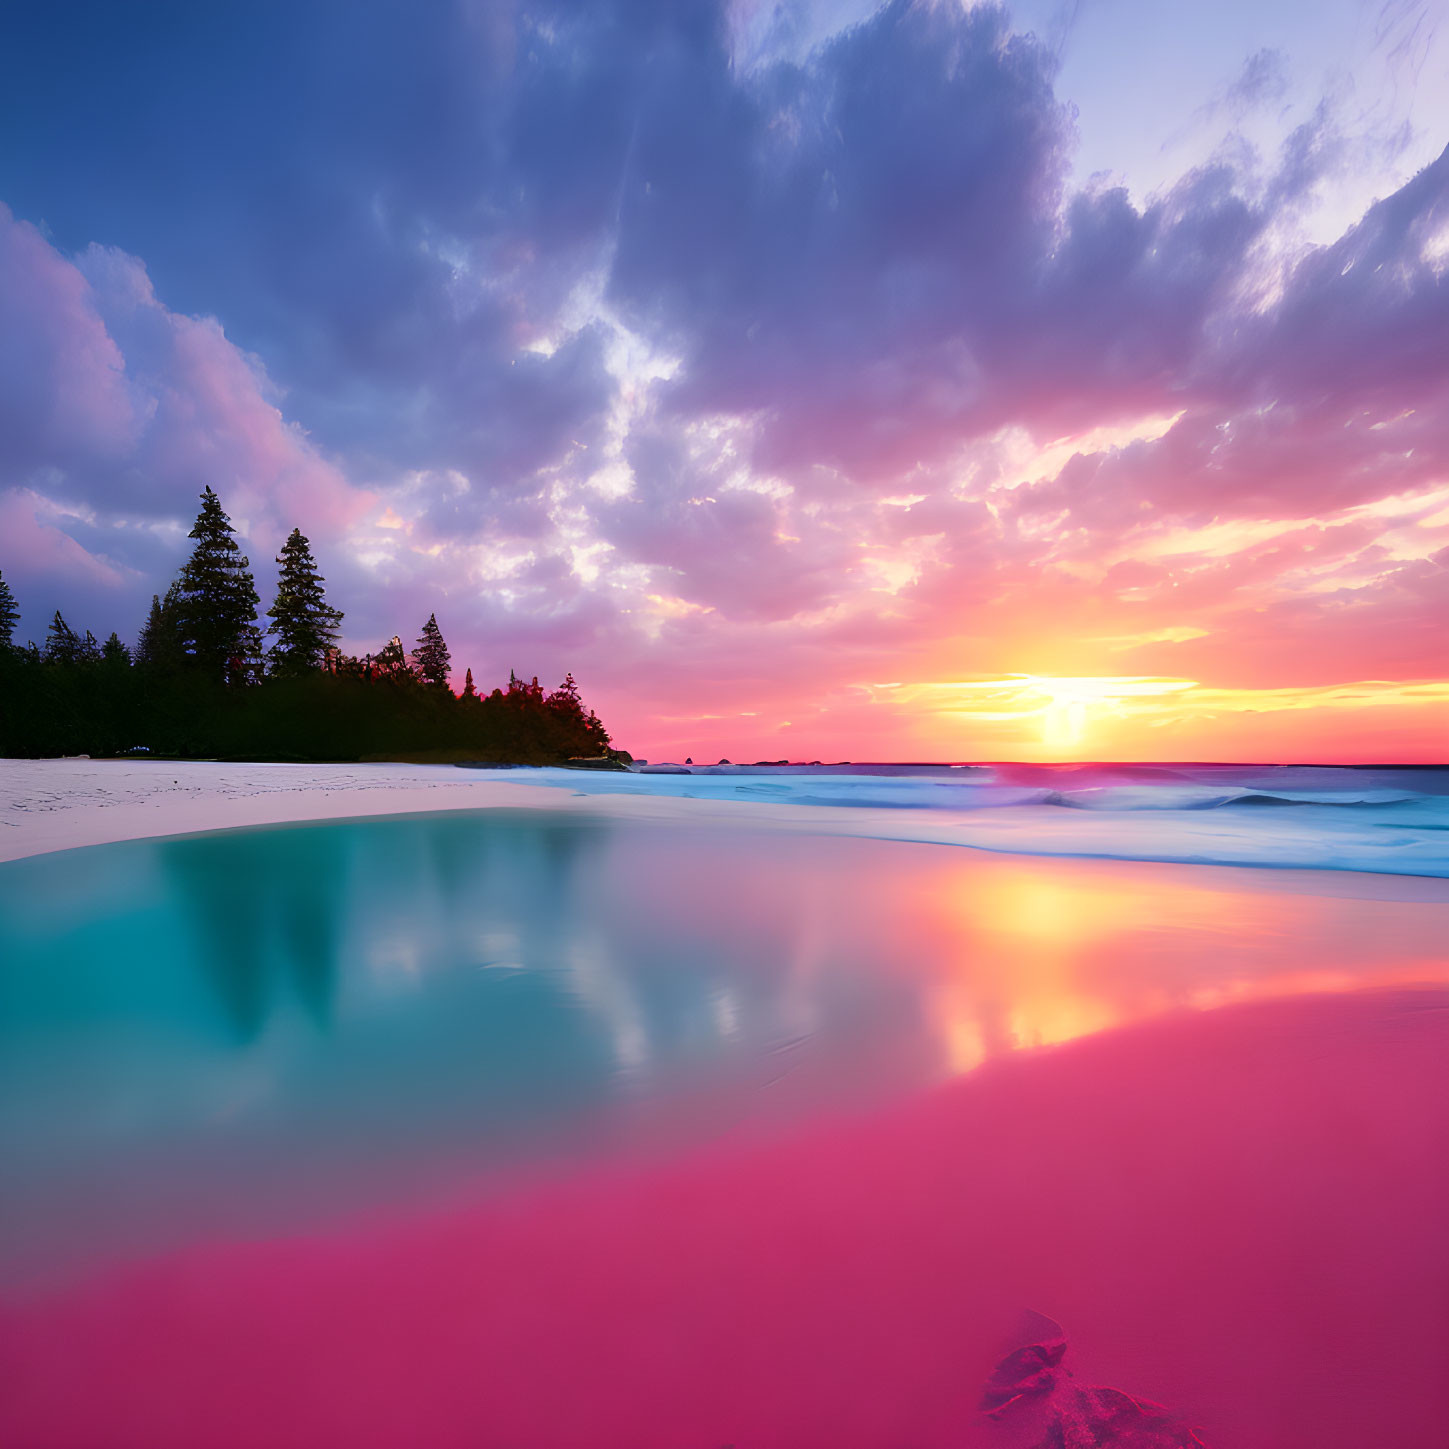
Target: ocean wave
x=1312, y=817
x=1167, y=798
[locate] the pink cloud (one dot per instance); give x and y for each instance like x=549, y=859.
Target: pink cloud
x=64, y=393
x=130, y=408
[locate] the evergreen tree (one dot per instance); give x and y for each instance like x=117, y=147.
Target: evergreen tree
x=565, y=700
x=62, y=644
x=60, y=702
x=390, y=662
x=9, y=615
x=216, y=598
x=597, y=733
x=432, y=655
x=159, y=643
x=305, y=624
x=247, y=664
x=148, y=641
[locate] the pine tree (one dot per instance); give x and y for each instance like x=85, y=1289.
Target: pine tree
x=90, y=649
x=432, y=657
x=524, y=694
x=62, y=644
x=596, y=731
x=247, y=663
x=115, y=653
x=159, y=644
x=565, y=699
x=470, y=690
x=9, y=615
x=390, y=662
x=150, y=636
x=305, y=624
x=216, y=597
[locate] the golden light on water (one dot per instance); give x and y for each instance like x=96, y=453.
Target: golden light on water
x=1052, y=951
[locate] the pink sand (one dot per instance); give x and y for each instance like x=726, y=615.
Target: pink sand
x=1240, y=1214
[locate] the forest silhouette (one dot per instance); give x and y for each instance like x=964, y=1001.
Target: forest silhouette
x=203, y=681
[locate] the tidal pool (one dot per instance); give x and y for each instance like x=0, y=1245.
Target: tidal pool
x=270, y=1100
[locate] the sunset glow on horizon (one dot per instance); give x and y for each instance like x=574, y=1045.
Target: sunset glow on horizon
x=1041, y=719
x=925, y=381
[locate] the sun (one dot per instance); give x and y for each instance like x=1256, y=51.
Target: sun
x=1070, y=706
x=1064, y=722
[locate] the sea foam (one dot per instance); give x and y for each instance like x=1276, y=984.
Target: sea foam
x=1371, y=818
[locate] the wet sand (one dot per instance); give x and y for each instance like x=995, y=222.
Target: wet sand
x=1236, y=1213
x=1195, y=1114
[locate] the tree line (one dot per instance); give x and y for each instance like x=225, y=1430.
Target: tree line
x=203, y=680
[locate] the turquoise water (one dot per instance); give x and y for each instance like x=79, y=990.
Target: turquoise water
x=253, y=1031
x=506, y=1128
x=246, y=1028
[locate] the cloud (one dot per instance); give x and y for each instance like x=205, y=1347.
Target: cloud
x=1262, y=81
x=64, y=397
x=1364, y=321
x=119, y=411
x=740, y=351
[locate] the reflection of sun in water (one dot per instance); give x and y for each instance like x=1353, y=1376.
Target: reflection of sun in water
x=1036, y=953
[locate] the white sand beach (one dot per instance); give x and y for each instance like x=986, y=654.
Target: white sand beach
x=49, y=805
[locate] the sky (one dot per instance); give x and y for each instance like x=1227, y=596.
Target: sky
x=813, y=380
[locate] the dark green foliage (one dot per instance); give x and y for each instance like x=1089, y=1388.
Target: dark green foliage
x=216, y=600
x=566, y=705
x=9, y=615
x=110, y=708
x=180, y=694
x=148, y=641
x=75, y=698
x=432, y=657
x=523, y=693
x=304, y=623
x=159, y=649
x=389, y=663
x=62, y=644
x=565, y=699
x=249, y=664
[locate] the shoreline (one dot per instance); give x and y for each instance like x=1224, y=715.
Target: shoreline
x=1237, y=1141
x=47, y=806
